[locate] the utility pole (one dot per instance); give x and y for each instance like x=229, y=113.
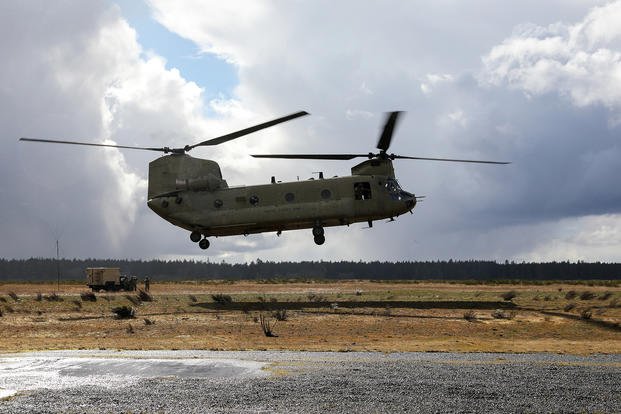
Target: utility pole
x=58, y=265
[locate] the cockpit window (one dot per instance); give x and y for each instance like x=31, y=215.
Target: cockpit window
x=392, y=185
x=395, y=191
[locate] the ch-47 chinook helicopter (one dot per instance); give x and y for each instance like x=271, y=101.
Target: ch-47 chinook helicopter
x=191, y=193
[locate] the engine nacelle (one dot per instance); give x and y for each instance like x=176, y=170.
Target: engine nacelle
x=176, y=172
x=205, y=183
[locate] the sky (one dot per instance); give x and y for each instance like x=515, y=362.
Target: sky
x=537, y=84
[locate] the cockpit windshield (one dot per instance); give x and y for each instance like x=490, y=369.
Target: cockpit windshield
x=395, y=191
x=392, y=185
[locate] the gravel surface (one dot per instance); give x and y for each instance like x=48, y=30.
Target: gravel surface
x=305, y=382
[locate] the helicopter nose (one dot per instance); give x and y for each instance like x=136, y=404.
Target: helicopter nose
x=410, y=203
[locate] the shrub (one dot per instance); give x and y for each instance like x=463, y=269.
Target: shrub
x=193, y=299
x=312, y=297
x=77, y=304
x=571, y=295
x=148, y=321
x=510, y=295
x=501, y=314
x=587, y=295
x=586, y=314
x=266, y=326
x=53, y=297
x=88, y=297
x=39, y=297
x=13, y=296
x=130, y=329
x=470, y=316
x=124, y=312
x=569, y=307
x=221, y=298
x=605, y=296
x=144, y=296
x=280, y=314
x=2, y=299
x=1, y=313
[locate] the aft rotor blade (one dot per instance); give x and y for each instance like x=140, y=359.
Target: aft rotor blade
x=246, y=131
x=312, y=156
x=448, y=159
x=389, y=127
x=90, y=144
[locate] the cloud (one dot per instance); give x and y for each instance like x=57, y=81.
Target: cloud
x=545, y=98
x=580, y=61
x=79, y=74
x=433, y=79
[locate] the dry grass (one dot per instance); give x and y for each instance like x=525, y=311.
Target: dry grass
x=184, y=316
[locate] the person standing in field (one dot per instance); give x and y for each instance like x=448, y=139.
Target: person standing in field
x=147, y=283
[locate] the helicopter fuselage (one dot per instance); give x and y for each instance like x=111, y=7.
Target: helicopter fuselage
x=191, y=193
x=206, y=205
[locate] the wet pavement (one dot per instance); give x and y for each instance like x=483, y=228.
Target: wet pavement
x=306, y=382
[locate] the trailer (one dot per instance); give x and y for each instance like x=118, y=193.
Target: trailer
x=109, y=279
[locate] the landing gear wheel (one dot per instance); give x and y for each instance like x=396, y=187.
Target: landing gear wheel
x=203, y=244
x=195, y=236
x=318, y=231
x=319, y=240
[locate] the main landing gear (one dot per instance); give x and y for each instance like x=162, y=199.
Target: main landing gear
x=197, y=237
x=319, y=235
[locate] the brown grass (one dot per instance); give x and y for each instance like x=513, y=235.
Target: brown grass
x=183, y=316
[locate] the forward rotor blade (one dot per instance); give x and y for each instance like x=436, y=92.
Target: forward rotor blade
x=448, y=159
x=246, y=131
x=90, y=144
x=389, y=127
x=312, y=156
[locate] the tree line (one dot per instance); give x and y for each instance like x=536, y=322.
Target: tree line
x=43, y=269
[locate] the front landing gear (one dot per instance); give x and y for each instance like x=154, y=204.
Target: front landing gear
x=318, y=235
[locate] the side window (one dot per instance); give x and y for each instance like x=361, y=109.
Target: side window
x=362, y=191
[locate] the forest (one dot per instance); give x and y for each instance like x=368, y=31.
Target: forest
x=45, y=269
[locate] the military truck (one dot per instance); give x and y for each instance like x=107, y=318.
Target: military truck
x=109, y=279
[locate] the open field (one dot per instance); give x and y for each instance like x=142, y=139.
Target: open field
x=335, y=316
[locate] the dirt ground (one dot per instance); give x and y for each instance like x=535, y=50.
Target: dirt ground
x=343, y=316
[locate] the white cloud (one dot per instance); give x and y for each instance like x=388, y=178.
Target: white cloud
x=434, y=79
x=90, y=84
x=352, y=114
x=580, y=61
x=589, y=238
